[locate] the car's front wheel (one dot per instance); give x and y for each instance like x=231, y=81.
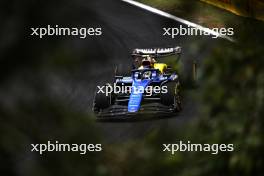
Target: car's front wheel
x=101, y=101
x=172, y=97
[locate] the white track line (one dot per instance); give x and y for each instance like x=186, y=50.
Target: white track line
x=167, y=15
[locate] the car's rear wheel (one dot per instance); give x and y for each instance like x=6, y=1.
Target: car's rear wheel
x=172, y=97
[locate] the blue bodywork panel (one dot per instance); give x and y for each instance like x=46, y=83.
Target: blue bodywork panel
x=139, y=83
x=138, y=87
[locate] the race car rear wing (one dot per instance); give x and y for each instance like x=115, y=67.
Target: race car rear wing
x=157, y=52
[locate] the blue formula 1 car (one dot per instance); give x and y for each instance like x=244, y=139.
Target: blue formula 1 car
x=150, y=88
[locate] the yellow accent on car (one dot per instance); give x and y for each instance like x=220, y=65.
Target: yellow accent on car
x=160, y=66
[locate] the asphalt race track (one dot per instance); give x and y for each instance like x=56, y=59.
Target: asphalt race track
x=124, y=27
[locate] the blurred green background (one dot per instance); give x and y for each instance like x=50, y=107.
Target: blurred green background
x=231, y=106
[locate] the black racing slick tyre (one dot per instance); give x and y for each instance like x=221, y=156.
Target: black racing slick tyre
x=101, y=101
x=172, y=97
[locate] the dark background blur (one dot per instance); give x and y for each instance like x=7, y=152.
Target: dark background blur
x=47, y=86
